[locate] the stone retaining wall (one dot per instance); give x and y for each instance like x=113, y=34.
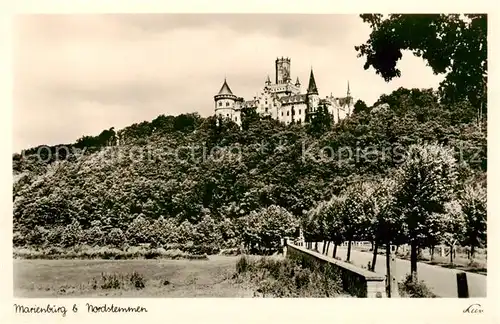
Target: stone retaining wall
x=355, y=281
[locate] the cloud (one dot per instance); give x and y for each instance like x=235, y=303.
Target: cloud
x=76, y=75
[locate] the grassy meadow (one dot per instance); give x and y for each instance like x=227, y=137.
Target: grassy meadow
x=128, y=278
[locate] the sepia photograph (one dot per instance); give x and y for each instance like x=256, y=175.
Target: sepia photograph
x=249, y=156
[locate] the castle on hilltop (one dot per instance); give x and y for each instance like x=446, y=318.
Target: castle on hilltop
x=283, y=99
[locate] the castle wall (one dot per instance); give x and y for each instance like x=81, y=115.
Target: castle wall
x=266, y=103
x=224, y=104
x=293, y=112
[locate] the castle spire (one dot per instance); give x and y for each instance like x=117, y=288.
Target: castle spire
x=297, y=83
x=225, y=90
x=312, y=89
x=348, y=90
x=268, y=80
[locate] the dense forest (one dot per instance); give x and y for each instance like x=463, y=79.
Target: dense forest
x=409, y=169
x=159, y=185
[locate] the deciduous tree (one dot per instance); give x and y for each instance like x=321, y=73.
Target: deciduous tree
x=425, y=184
x=451, y=44
x=473, y=203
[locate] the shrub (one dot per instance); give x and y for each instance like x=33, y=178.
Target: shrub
x=19, y=239
x=242, y=265
x=267, y=226
x=119, y=281
x=87, y=252
x=207, y=232
x=54, y=236
x=94, y=236
x=302, y=278
x=232, y=251
x=116, y=237
x=183, y=233
x=137, y=280
x=475, y=265
x=139, y=230
x=72, y=234
x=111, y=281
x=189, y=247
x=152, y=254
x=287, y=278
x=414, y=289
x=36, y=237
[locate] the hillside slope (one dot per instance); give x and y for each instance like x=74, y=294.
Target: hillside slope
x=197, y=180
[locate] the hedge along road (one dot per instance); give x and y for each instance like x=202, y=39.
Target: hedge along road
x=442, y=281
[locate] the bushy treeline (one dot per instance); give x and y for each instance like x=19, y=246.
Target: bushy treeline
x=85, y=252
x=36, y=159
x=260, y=232
x=419, y=204
x=201, y=181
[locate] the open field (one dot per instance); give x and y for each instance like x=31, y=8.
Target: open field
x=162, y=278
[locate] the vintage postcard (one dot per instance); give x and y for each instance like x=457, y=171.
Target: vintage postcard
x=160, y=159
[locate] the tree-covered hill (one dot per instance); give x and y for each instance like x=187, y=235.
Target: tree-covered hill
x=181, y=179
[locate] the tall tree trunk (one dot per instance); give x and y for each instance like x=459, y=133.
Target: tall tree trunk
x=349, y=250
x=432, y=252
x=472, y=250
x=316, y=246
x=374, y=260
x=373, y=245
x=451, y=254
x=334, y=250
x=413, y=260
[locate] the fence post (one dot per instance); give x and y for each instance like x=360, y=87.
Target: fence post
x=285, y=245
x=462, y=286
x=391, y=274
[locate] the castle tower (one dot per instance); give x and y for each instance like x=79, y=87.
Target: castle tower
x=349, y=100
x=311, y=88
x=268, y=81
x=283, y=70
x=225, y=102
x=312, y=94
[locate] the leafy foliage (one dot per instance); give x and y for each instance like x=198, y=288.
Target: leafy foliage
x=450, y=43
x=360, y=106
x=425, y=184
x=266, y=228
x=203, y=185
x=288, y=278
x=415, y=289
x=473, y=206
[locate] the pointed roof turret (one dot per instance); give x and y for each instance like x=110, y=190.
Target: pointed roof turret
x=225, y=90
x=268, y=80
x=348, y=90
x=312, y=89
x=297, y=83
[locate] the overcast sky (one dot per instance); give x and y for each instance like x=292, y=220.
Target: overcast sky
x=76, y=75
